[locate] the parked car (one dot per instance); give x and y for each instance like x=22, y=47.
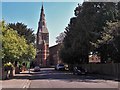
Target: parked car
x=60, y=67
x=79, y=70
x=36, y=68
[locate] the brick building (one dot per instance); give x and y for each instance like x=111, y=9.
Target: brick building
x=42, y=41
x=54, y=55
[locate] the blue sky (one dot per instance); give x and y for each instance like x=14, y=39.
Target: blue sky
x=57, y=15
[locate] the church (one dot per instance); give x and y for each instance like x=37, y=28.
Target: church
x=42, y=41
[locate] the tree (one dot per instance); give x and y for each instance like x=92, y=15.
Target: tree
x=85, y=29
x=22, y=30
x=14, y=46
x=60, y=38
x=67, y=51
x=109, y=44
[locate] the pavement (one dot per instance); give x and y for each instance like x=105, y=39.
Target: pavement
x=16, y=82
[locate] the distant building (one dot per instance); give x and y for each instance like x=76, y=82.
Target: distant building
x=94, y=58
x=54, y=55
x=42, y=41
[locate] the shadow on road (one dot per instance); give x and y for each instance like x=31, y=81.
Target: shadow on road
x=59, y=75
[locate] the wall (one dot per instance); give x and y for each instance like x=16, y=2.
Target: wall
x=112, y=69
x=54, y=55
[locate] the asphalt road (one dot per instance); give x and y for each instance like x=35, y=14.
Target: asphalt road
x=49, y=78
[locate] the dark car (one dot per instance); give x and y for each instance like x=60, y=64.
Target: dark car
x=36, y=68
x=79, y=70
x=60, y=67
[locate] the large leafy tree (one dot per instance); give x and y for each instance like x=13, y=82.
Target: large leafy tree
x=14, y=46
x=23, y=30
x=91, y=20
x=109, y=44
x=85, y=29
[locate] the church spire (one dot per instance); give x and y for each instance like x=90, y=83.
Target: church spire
x=42, y=16
x=42, y=40
x=42, y=22
x=42, y=6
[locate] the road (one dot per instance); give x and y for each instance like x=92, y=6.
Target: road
x=49, y=78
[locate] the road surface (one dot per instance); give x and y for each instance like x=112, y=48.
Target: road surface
x=49, y=78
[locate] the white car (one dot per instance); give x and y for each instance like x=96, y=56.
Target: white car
x=60, y=67
x=36, y=68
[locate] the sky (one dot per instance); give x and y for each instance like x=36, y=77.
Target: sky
x=57, y=15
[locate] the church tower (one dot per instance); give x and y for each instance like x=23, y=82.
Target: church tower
x=42, y=41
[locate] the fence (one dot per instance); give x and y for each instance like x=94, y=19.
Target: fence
x=110, y=69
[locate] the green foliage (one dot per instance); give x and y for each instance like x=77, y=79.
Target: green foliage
x=22, y=30
x=31, y=52
x=8, y=65
x=14, y=46
x=110, y=39
x=85, y=29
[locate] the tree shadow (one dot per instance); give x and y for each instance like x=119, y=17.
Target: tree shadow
x=57, y=75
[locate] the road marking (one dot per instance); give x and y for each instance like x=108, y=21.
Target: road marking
x=27, y=84
x=24, y=83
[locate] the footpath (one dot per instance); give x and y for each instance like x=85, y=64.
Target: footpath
x=18, y=81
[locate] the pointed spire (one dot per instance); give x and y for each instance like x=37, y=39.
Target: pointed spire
x=42, y=23
x=42, y=15
x=42, y=9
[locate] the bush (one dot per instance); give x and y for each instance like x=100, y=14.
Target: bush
x=8, y=66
